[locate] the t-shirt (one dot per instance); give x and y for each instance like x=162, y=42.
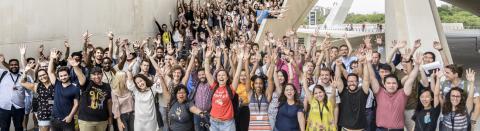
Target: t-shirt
x=426, y=120
x=94, y=102
x=352, y=109
x=242, y=93
x=315, y=118
x=390, y=108
x=454, y=122
x=287, y=119
x=63, y=99
x=222, y=106
x=202, y=99
x=180, y=117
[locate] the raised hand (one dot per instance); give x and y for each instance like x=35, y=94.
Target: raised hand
x=402, y=44
x=209, y=52
x=367, y=39
x=40, y=48
x=437, y=45
x=379, y=40
x=369, y=55
x=470, y=75
x=65, y=43
x=23, y=49
x=148, y=52
x=418, y=58
x=417, y=44
x=54, y=53
x=29, y=67
x=338, y=61
x=218, y=52
x=2, y=58
x=73, y=62
x=110, y=35
x=86, y=36
x=118, y=43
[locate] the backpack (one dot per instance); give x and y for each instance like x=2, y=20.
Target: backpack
x=3, y=75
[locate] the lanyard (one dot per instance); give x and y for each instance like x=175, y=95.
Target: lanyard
x=108, y=79
x=14, y=81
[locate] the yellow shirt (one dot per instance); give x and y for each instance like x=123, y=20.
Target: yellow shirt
x=315, y=121
x=166, y=37
x=242, y=93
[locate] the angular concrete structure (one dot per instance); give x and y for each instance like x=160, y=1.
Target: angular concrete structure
x=413, y=19
x=339, y=13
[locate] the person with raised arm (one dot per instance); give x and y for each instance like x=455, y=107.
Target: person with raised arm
x=122, y=102
x=354, y=98
x=457, y=107
x=428, y=109
x=392, y=97
x=45, y=90
x=144, y=92
x=67, y=94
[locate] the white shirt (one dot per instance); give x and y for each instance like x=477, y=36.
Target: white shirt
x=11, y=92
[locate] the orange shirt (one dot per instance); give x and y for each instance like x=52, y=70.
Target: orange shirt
x=222, y=106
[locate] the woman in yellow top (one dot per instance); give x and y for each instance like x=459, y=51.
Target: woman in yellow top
x=321, y=112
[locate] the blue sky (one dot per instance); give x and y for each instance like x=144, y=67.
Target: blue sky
x=364, y=6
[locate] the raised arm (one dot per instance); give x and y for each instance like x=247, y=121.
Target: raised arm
x=349, y=45
x=396, y=47
x=271, y=83
x=190, y=65
x=338, y=75
x=23, y=50
x=435, y=84
x=51, y=66
x=439, y=47
x=365, y=81
x=308, y=93
x=470, y=74
x=236, y=77
x=76, y=68
x=67, y=49
x=110, y=45
x=207, y=57
x=23, y=81
x=374, y=82
x=412, y=75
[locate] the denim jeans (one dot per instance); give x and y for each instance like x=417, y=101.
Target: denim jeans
x=222, y=126
x=6, y=117
x=127, y=119
x=199, y=124
x=370, y=114
x=163, y=111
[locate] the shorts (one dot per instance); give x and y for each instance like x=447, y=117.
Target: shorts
x=44, y=123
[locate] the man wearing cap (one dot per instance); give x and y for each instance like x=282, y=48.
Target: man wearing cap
x=95, y=103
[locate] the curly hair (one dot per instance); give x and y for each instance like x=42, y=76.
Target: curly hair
x=460, y=108
x=283, y=99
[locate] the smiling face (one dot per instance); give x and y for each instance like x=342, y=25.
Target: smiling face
x=258, y=85
x=325, y=77
x=13, y=66
x=181, y=95
x=391, y=85
x=450, y=75
x=145, y=66
x=42, y=76
x=63, y=76
x=281, y=78
x=222, y=77
x=426, y=99
x=142, y=85
x=318, y=94
x=98, y=54
x=289, y=92
x=455, y=97
x=243, y=77
x=96, y=77
x=352, y=83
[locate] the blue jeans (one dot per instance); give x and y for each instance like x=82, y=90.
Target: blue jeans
x=222, y=126
x=370, y=114
x=163, y=111
x=6, y=117
x=199, y=124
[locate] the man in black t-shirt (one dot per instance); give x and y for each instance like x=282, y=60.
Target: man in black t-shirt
x=95, y=103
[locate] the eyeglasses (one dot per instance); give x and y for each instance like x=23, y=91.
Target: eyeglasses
x=455, y=96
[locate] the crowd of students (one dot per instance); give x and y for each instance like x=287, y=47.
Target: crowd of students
x=206, y=73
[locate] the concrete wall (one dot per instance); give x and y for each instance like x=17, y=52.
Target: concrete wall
x=50, y=22
x=413, y=19
x=339, y=13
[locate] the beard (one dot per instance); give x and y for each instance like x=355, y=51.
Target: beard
x=14, y=70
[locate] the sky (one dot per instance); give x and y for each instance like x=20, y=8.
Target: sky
x=364, y=6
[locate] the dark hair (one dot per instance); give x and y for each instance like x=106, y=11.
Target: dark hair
x=385, y=67
x=148, y=82
x=343, y=46
x=333, y=47
x=456, y=69
x=330, y=72
x=419, y=104
x=283, y=99
x=399, y=83
x=460, y=108
x=79, y=54
x=379, y=54
x=30, y=58
x=178, y=88
x=99, y=48
x=38, y=71
x=325, y=99
x=176, y=67
x=63, y=69
x=285, y=74
x=353, y=74
x=430, y=53
x=107, y=58
x=12, y=60
x=228, y=77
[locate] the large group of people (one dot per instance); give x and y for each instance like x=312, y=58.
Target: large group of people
x=206, y=73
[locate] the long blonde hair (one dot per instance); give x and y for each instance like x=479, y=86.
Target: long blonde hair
x=119, y=85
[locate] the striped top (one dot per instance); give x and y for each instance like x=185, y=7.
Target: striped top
x=259, y=120
x=454, y=122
